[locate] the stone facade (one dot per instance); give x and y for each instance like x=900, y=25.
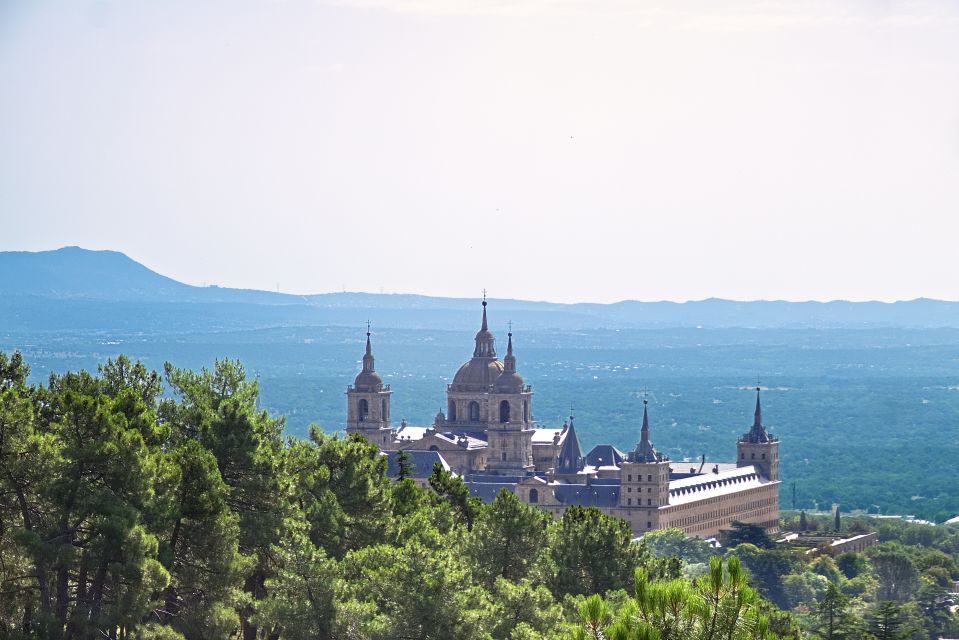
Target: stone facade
x=489, y=436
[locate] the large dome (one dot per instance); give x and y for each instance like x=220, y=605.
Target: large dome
x=477, y=374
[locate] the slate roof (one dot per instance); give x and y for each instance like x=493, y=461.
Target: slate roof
x=592, y=495
x=421, y=461
x=605, y=455
x=486, y=491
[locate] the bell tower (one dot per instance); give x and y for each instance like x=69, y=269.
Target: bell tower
x=368, y=403
x=759, y=448
x=510, y=429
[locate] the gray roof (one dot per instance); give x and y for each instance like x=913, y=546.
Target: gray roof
x=421, y=461
x=591, y=495
x=486, y=491
x=605, y=455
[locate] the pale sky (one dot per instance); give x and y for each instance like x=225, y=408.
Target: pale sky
x=567, y=150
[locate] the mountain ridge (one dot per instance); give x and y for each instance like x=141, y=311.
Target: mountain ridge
x=76, y=274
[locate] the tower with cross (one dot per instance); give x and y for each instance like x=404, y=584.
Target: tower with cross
x=510, y=428
x=758, y=447
x=368, y=402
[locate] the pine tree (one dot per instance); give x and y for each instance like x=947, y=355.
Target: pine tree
x=507, y=539
x=833, y=614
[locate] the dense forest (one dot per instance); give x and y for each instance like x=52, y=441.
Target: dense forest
x=135, y=505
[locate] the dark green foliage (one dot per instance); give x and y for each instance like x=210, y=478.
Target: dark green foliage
x=455, y=491
x=745, y=533
x=896, y=573
x=852, y=564
x=592, y=553
x=767, y=570
x=887, y=621
x=404, y=464
x=508, y=539
x=833, y=614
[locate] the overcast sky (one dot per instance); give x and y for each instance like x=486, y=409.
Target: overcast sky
x=564, y=150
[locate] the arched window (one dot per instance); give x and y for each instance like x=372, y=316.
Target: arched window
x=525, y=411
x=533, y=495
x=504, y=456
x=504, y=411
x=433, y=447
x=474, y=411
x=452, y=411
x=383, y=415
x=364, y=409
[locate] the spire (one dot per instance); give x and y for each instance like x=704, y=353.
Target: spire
x=757, y=433
x=645, y=452
x=368, y=357
x=758, y=419
x=570, y=454
x=484, y=338
x=368, y=380
x=509, y=362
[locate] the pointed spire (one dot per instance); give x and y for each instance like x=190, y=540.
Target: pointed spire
x=570, y=454
x=368, y=357
x=758, y=418
x=484, y=337
x=645, y=451
x=509, y=362
x=368, y=379
x=757, y=433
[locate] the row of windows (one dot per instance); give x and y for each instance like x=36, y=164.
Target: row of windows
x=639, y=477
x=473, y=411
x=752, y=456
x=639, y=489
x=720, y=513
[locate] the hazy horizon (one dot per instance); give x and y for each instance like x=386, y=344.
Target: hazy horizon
x=562, y=151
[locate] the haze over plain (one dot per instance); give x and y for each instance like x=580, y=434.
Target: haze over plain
x=559, y=151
